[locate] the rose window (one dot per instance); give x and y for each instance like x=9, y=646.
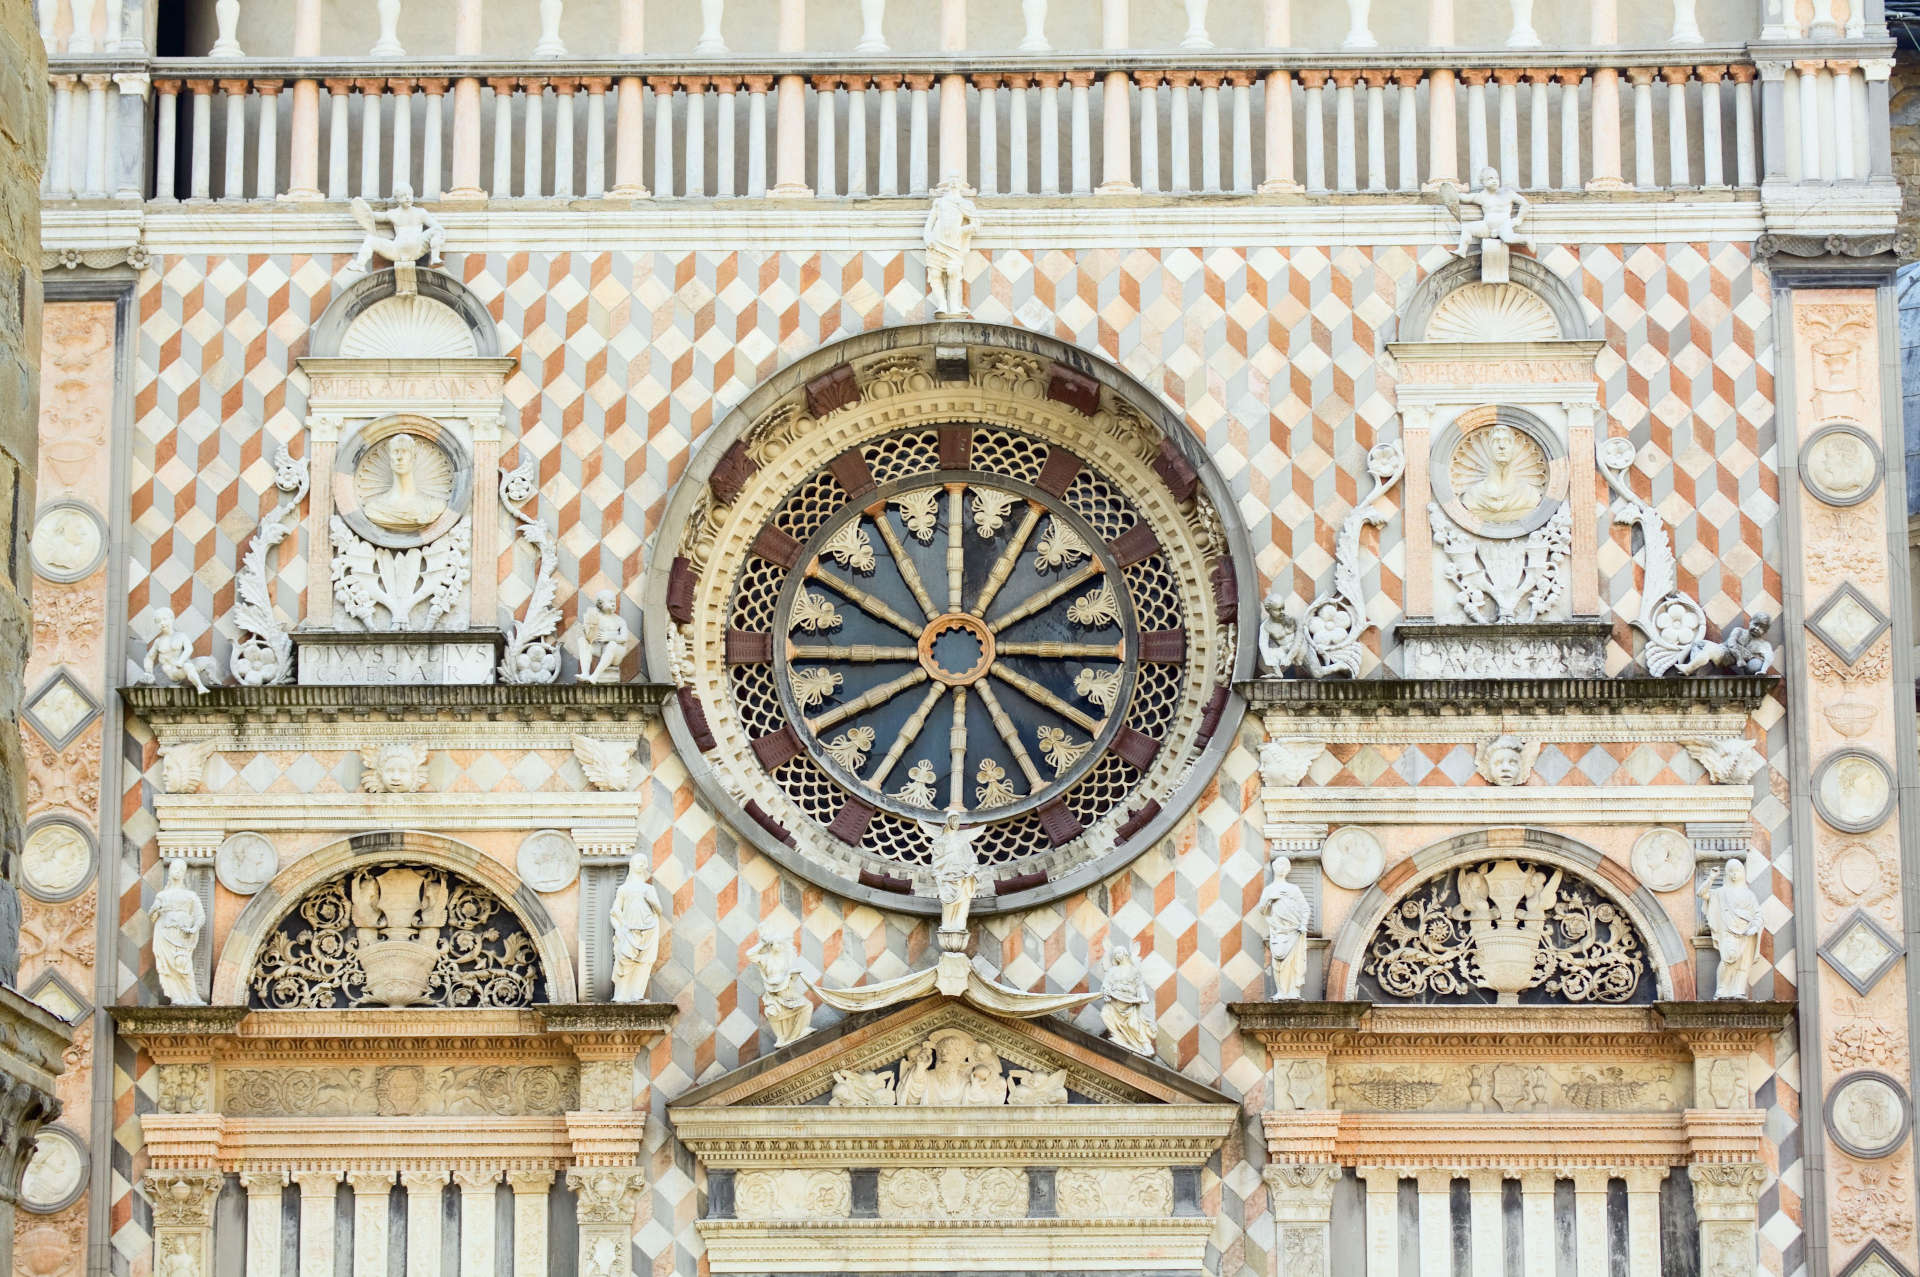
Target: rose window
x=887, y=622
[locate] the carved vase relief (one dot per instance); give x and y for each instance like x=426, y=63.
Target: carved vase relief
x=398, y=936
x=1506, y=931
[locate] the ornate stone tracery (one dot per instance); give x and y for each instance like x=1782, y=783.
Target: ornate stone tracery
x=394, y=936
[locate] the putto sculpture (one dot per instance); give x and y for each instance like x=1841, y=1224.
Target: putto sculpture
x=415, y=232
x=1502, y=209
x=948, y=236
x=1127, y=1007
x=397, y=767
x=178, y=917
x=636, y=931
x=1505, y=759
x=1744, y=650
x=602, y=640
x=783, y=996
x=170, y=656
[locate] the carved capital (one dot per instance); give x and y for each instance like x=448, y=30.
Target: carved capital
x=423, y=1181
x=370, y=1183
x=479, y=1180
x=529, y=1182
x=1301, y=1193
x=182, y=1198
x=263, y=1183
x=606, y=1195
x=1726, y=1190
x=317, y=1183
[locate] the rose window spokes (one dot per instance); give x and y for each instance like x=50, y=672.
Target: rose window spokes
x=397, y=935
x=964, y=642
x=1506, y=931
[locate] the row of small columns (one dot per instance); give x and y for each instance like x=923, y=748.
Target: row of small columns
x=1484, y=1189
x=371, y=1192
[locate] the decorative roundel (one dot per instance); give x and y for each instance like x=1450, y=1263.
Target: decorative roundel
x=977, y=607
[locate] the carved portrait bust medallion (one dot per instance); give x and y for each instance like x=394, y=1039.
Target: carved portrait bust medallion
x=245, y=863
x=56, y=859
x=1853, y=791
x=1498, y=473
x=402, y=481
x=1867, y=1114
x=68, y=541
x=1352, y=858
x=56, y=1174
x=1841, y=465
x=548, y=860
x=1663, y=859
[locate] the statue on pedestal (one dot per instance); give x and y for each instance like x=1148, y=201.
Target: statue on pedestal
x=956, y=871
x=415, y=232
x=1502, y=208
x=178, y=918
x=636, y=931
x=948, y=236
x=1287, y=919
x=783, y=998
x=1128, y=1009
x=602, y=640
x=1733, y=919
x=172, y=653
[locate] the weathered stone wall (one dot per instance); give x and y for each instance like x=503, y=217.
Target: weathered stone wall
x=23, y=145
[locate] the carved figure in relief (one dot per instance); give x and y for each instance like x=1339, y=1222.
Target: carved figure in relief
x=399, y=767
x=178, y=1260
x=414, y=232
x=948, y=236
x=1505, y=473
x=861, y=1090
x=178, y=918
x=400, y=504
x=1743, y=650
x=1501, y=208
x=603, y=640
x=171, y=654
x=783, y=997
x=636, y=931
x=956, y=869
x=1127, y=1002
x=1733, y=919
x=1505, y=759
x=1285, y=906
x=1028, y=1088
x=1283, y=632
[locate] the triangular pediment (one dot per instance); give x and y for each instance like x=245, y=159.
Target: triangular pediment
x=1045, y=1053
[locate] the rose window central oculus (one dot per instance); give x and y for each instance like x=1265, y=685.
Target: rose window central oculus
x=957, y=650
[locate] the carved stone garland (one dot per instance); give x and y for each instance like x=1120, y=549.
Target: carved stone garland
x=264, y=652
x=532, y=655
x=1506, y=931
x=1323, y=638
x=396, y=936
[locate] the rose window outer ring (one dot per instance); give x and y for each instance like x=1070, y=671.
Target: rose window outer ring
x=924, y=404
x=995, y=670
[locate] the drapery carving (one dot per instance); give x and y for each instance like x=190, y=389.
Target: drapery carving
x=950, y=1067
x=397, y=935
x=1506, y=931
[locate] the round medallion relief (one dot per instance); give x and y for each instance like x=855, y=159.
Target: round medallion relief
x=1352, y=858
x=56, y=1174
x=1868, y=1114
x=1853, y=791
x=1663, y=859
x=548, y=860
x=245, y=863
x=68, y=542
x=56, y=859
x=402, y=481
x=1501, y=476
x=1841, y=465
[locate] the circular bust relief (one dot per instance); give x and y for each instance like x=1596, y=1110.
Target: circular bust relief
x=1663, y=859
x=402, y=481
x=56, y=859
x=1853, y=791
x=1868, y=1114
x=1352, y=858
x=548, y=860
x=245, y=863
x=69, y=541
x=56, y=1174
x=1500, y=476
x=1841, y=465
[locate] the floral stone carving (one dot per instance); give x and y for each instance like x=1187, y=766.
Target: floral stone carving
x=1506, y=931
x=1514, y=581
x=412, y=589
x=264, y=652
x=397, y=935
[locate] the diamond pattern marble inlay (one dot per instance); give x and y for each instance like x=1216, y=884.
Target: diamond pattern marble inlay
x=1861, y=950
x=1848, y=622
x=60, y=709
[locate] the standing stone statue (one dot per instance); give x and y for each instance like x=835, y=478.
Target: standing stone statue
x=956, y=870
x=1733, y=918
x=636, y=932
x=415, y=232
x=603, y=640
x=1287, y=918
x=783, y=997
x=178, y=918
x=949, y=237
x=1128, y=1009
x=172, y=653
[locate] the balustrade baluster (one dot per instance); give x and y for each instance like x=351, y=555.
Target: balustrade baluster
x=1407, y=127
x=1605, y=110
x=166, y=129
x=1116, y=139
x=888, y=137
x=757, y=86
x=1018, y=174
x=1539, y=130
x=369, y=136
x=233, y=177
x=1315, y=83
x=917, y=88
x=1679, y=166
x=1209, y=82
x=824, y=180
x=1081, y=155
x=1570, y=79
x=986, y=90
x=1508, y=81
x=1241, y=85
x=1147, y=89
x=534, y=135
x=1034, y=14
x=1279, y=130
x=1443, y=137
x=1346, y=155
x=629, y=130
x=201, y=171
x=430, y=139
x=1180, y=135
x=857, y=135
x=1376, y=87
x=502, y=137
x=549, y=45
x=564, y=89
x=694, y=181
x=1476, y=82
x=60, y=138
x=1642, y=80
x=1746, y=160
x=662, y=89
x=387, y=45
x=724, y=127
x=96, y=152
x=595, y=176
x=952, y=167
x=266, y=177
x=466, y=106
x=402, y=153
x=1837, y=80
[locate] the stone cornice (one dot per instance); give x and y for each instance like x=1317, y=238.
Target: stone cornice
x=1514, y=1142
x=1077, y=1134
x=574, y=702
x=1363, y=1029
x=231, y=1033
x=893, y=1246
x=1435, y=696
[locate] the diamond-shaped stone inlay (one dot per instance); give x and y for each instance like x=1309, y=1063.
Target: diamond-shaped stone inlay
x=1848, y=622
x=53, y=991
x=1875, y=1261
x=60, y=709
x=1861, y=950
